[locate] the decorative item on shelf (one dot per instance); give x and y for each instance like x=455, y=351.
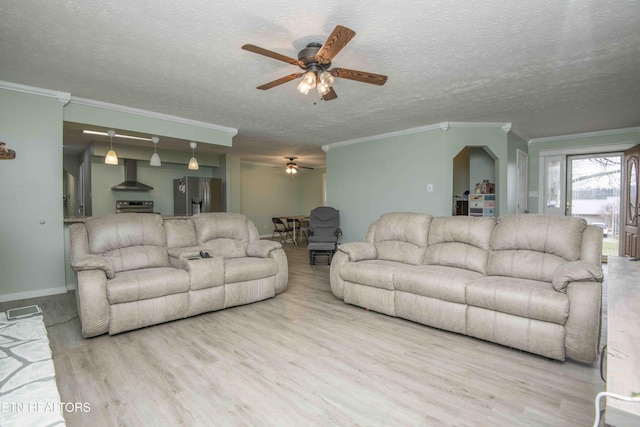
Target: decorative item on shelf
x=155, y=158
x=5, y=153
x=111, y=158
x=477, y=189
x=193, y=163
x=491, y=188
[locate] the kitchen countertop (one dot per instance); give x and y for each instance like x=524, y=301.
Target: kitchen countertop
x=81, y=219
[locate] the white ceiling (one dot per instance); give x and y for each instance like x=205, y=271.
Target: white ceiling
x=549, y=67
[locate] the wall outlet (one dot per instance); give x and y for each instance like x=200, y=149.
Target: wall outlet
x=430, y=188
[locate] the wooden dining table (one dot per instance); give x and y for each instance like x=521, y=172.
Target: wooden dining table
x=292, y=219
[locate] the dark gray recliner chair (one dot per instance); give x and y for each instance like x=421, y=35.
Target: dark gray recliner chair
x=323, y=233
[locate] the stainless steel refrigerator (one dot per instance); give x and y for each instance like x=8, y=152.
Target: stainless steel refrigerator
x=192, y=195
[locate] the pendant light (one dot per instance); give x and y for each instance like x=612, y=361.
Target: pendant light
x=193, y=163
x=112, y=157
x=155, y=158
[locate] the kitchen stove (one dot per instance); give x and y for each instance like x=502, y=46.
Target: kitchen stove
x=135, y=206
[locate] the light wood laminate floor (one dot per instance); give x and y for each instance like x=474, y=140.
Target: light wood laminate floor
x=306, y=358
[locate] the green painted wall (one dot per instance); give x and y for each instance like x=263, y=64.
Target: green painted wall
x=367, y=179
x=31, y=229
x=596, y=140
x=269, y=192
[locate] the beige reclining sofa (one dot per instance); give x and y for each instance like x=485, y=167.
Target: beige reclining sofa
x=136, y=270
x=531, y=282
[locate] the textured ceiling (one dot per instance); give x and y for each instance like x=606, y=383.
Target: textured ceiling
x=549, y=67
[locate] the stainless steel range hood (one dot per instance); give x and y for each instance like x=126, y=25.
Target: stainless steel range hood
x=131, y=178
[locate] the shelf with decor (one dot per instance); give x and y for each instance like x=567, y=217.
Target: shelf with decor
x=482, y=205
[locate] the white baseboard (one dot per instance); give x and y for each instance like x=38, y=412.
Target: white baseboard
x=33, y=294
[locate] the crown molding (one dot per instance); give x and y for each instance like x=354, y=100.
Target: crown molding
x=66, y=98
x=150, y=114
x=443, y=126
x=63, y=97
x=585, y=135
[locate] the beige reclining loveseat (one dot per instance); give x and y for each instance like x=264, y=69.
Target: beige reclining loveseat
x=531, y=282
x=136, y=270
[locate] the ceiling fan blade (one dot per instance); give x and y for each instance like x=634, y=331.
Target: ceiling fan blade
x=304, y=167
x=279, y=81
x=271, y=54
x=330, y=95
x=334, y=43
x=359, y=76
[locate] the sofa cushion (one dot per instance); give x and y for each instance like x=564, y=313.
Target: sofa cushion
x=521, y=297
x=553, y=234
x=533, y=246
x=129, y=241
x=146, y=283
x=224, y=234
x=400, y=236
x=460, y=241
x=443, y=283
x=180, y=233
x=374, y=273
x=244, y=269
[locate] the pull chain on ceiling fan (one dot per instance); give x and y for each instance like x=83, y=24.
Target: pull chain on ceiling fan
x=315, y=61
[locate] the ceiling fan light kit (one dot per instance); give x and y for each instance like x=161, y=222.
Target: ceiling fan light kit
x=315, y=60
x=292, y=168
x=307, y=83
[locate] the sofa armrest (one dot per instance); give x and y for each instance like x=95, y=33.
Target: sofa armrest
x=93, y=305
x=582, y=329
x=93, y=262
x=575, y=271
x=262, y=248
x=359, y=251
x=204, y=272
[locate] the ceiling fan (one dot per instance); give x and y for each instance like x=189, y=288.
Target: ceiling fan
x=315, y=61
x=292, y=167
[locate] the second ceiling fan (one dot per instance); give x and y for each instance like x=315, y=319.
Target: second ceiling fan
x=292, y=167
x=315, y=61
